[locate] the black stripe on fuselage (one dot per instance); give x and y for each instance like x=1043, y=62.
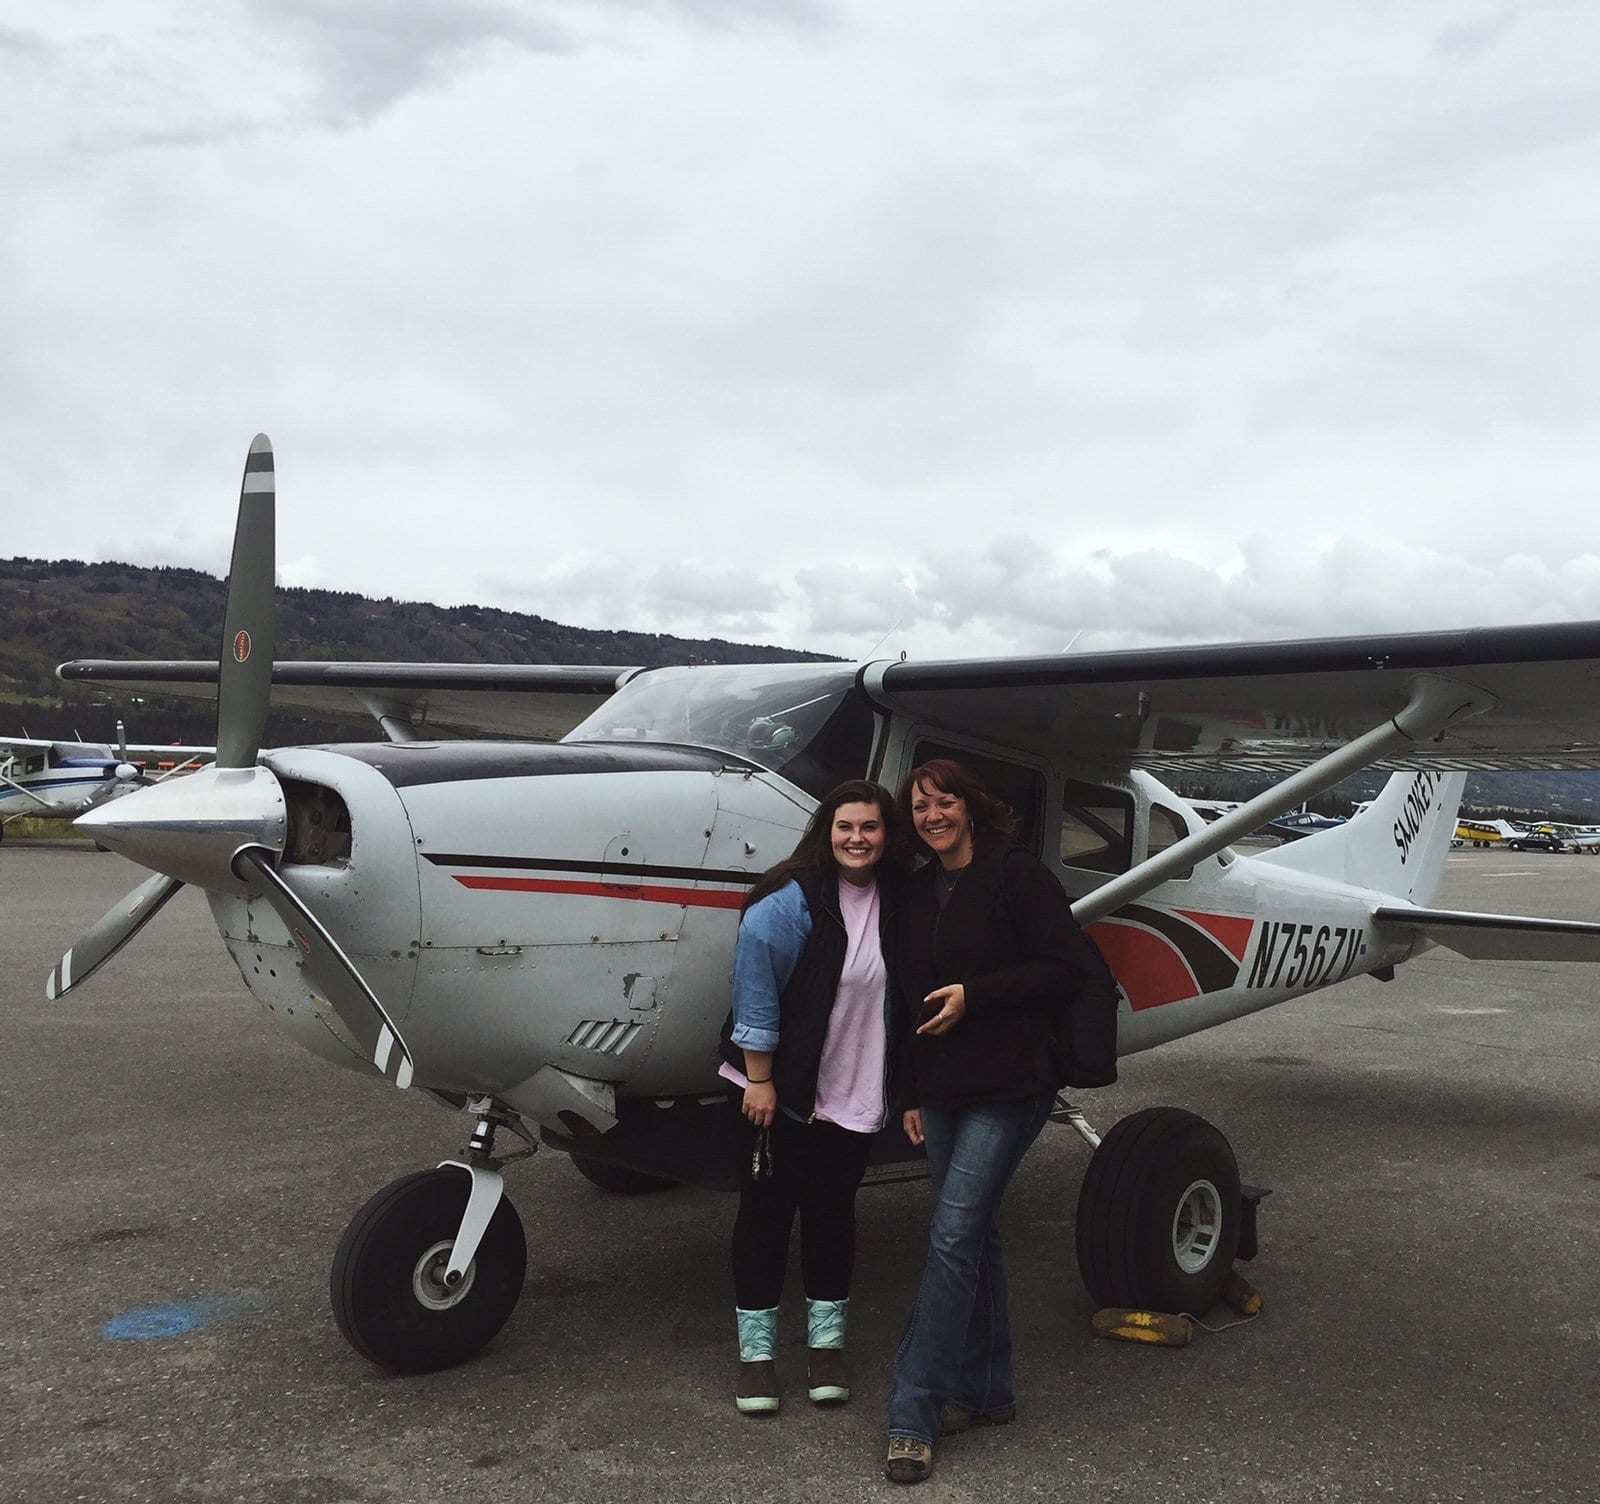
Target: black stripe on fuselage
x=408, y=764
x=602, y=869
x=1213, y=966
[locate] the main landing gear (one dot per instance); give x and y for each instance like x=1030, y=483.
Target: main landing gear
x=1161, y=1213
x=430, y=1269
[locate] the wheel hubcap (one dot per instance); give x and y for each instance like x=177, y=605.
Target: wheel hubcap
x=427, y=1279
x=1197, y=1226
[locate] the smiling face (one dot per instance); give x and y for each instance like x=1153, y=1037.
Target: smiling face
x=942, y=822
x=858, y=838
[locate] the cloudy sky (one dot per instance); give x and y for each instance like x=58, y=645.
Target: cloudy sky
x=841, y=324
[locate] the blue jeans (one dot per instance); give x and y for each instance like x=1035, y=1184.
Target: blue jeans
x=957, y=1344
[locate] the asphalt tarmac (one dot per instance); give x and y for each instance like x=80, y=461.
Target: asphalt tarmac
x=177, y=1174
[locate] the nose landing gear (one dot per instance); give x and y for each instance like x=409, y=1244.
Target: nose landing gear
x=401, y=1294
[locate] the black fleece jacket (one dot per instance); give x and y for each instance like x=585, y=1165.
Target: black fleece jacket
x=1007, y=934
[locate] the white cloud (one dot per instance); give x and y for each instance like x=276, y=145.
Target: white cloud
x=797, y=321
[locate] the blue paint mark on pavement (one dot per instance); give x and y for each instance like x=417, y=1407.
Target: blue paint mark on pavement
x=168, y=1321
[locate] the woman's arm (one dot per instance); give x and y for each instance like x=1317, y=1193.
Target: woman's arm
x=760, y=1096
x=771, y=937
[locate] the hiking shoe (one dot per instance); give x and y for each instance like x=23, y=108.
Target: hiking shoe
x=827, y=1379
x=910, y=1460
x=757, y=1393
x=953, y=1420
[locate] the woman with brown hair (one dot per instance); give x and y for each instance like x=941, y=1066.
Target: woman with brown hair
x=807, y=1042
x=991, y=959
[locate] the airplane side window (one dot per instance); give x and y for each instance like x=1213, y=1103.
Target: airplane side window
x=1096, y=827
x=1167, y=829
x=1021, y=788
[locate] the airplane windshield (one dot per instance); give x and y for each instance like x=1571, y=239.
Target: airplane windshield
x=805, y=721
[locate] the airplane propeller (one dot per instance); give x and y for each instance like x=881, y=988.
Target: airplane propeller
x=114, y=929
x=249, y=626
x=224, y=828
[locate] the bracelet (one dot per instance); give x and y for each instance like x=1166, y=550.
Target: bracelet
x=755, y=1081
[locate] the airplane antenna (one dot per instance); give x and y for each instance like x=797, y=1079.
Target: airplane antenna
x=1072, y=641
x=899, y=622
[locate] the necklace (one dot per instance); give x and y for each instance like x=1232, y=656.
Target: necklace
x=949, y=878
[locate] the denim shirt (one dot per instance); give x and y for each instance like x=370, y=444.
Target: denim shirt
x=771, y=938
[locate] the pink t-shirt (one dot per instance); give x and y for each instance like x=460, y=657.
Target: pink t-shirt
x=850, y=1076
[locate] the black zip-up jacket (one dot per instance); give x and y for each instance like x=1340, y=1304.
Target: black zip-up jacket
x=1007, y=934
x=806, y=1003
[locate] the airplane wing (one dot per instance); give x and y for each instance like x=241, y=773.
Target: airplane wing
x=1274, y=705
x=536, y=701
x=11, y=745
x=175, y=750
x=1498, y=937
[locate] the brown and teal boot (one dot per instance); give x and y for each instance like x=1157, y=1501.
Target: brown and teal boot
x=827, y=1378
x=757, y=1390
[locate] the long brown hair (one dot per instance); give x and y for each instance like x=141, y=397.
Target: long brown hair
x=951, y=777
x=813, y=852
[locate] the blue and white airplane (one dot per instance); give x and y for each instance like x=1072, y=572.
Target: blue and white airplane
x=60, y=780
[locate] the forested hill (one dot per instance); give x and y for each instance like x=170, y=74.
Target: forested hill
x=53, y=610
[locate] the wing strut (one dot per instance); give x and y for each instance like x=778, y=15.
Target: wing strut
x=1435, y=703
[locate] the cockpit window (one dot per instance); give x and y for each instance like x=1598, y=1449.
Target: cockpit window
x=807, y=722
x=70, y=752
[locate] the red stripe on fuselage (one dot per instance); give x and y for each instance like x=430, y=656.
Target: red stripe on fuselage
x=1233, y=932
x=1149, y=966
x=695, y=898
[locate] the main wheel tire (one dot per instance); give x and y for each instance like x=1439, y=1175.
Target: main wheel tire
x=619, y=1180
x=387, y=1282
x=1159, y=1213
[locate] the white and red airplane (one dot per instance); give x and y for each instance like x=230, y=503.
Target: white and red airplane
x=539, y=934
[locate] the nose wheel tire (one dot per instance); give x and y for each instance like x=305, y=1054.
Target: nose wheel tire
x=1159, y=1213
x=390, y=1296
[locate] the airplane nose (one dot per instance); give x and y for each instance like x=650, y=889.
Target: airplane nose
x=125, y=772
x=190, y=828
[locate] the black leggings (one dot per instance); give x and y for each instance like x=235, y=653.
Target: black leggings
x=816, y=1168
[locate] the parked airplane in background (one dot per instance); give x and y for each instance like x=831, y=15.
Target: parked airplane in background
x=1301, y=822
x=1585, y=838
x=60, y=780
x=539, y=935
x=1290, y=826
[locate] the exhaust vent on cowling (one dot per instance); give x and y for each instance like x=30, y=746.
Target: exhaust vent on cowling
x=605, y=1036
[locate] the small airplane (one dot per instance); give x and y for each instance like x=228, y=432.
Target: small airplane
x=1289, y=826
x=539, y=934
x=1584, y=838
x=60, y=780
x=1299, y=823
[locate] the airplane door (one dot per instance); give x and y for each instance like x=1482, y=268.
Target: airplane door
x=1019, y=784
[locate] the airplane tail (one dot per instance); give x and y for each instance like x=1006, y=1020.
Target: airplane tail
x=1396, y=845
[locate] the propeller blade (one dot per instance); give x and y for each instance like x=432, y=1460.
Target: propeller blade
x=114, y=929
x=244, y=674
x=353, y=1000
